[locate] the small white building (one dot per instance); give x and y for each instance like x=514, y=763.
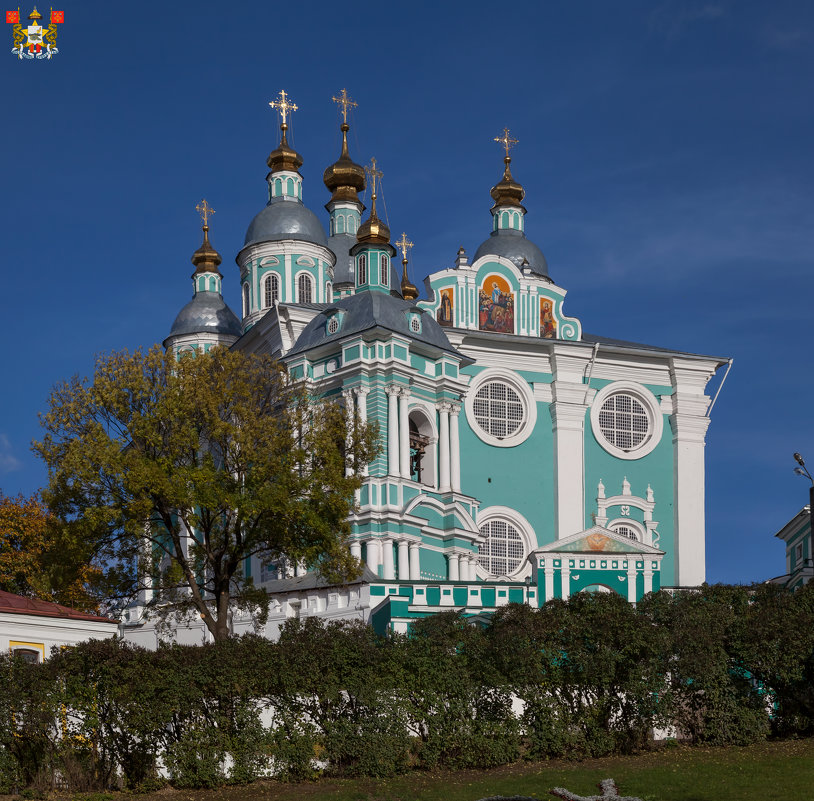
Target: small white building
x=31, y=627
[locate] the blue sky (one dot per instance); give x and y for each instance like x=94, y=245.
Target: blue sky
x=665, y=148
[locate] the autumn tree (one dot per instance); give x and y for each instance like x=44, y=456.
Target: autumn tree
x=35, y=559
x=181, y=470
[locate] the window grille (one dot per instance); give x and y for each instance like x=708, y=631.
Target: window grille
x=498, y=409
x=503, y=552
x=415, y=325
x=272, y=290
x=245, y=300
x=384, y=278
x=626, y=531
x=362, y=269
x=624, y=421
x=304, y=287
x=333, y=325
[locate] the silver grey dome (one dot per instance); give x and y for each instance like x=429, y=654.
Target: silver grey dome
x=514, y=246
x=286, y=219
x=341, y=244
x=206, y=313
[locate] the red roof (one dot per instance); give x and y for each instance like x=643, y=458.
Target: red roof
x=18, y=605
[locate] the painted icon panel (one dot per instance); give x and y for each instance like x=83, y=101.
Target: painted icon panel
x=496, y=305
x=548, y=323
x=444, y=315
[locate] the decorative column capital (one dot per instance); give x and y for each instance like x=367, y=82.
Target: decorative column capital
x=444, y=406
x=454, y=409
x=405, y=392
x=392, y=389
x=362, y=392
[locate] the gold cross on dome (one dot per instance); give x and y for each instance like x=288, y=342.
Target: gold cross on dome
x=205, y=210
x=283, y=105
x=403, y=245
x=346, y=102
x=506, y=141
x=373, y=173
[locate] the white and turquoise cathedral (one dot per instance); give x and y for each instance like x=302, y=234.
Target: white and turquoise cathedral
x=522, y=458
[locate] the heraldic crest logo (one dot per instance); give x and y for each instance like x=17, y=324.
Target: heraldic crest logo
x=34, y=41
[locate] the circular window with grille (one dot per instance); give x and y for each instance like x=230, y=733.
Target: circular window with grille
x=626, y=420
x=333, y=325
x=415, y=325
x=504, y=550
x=500, y=408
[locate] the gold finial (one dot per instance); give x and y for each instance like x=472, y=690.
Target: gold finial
x=403, y=245
x=206, y=211
x=506, y=141
x=346, y=102
x=283, y=105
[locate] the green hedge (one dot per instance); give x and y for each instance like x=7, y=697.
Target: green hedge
x=587, y=677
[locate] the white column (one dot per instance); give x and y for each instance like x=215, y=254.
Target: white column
x=404, y=560
x=565, y=577
x=373, y=555
x=454, y=449
x=549, y=581
x=648, y=580
x=689, y=426
x=392, y=430
x=453, y=571
x=473, y=568
x=463, y=567
x=443, y=446
x=299, y=568
x=568, y=416
x=631, y=581
x=347, y=394
x=388, y=567
x=145, y=569
x=356, y=550
x=361, y=410
x=404, y=432
x=415, y=562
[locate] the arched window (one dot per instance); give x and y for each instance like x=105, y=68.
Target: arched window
x=278, y=187
x=351, y=224
x=289, y=187
x=362, y=269
x=340, y=224
x=503, y=551
x=304, y=288
x=626, y=531
x=504, y=220
x=383, y=276
x=271, y=290
x=422, y=450
x=329, y=292
x=29, y=655
x=246, y=307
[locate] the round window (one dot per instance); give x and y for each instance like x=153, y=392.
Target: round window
x=624, y=421
x=498, y=409
x=503, y=552
x=333, y=325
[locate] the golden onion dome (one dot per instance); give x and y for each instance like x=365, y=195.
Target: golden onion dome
x=508, y=192
x=409, y=291
x=284, y=158
x=345, y=178
x=206, y=259
x=373, y=230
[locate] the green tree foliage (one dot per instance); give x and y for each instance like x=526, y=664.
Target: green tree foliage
x=182, y=470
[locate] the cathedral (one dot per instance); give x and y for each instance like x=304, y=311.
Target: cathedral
x=522, y=459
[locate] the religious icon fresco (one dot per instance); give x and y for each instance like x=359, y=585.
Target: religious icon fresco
x=444, y=313
x=548, y=324
x=496, y=305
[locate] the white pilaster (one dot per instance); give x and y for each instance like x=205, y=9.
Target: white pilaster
x=404, y=560
x=373, y=555
x=361, y=410
x=568, y=418
x=549, y=581
x=631, y=581
x=455, y=448
x=392, y=430
x=404, y=432
x=648, y=580
x=388, y=568
x=689, y=426
x=415, y=562
x=443, y=446
x=453, y=567
x=347, y=394
x=565, y=578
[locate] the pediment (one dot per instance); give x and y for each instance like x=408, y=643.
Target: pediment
x=598, y=539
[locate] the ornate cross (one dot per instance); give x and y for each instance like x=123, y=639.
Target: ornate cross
x=506, y=141
x=283, y=105
x=403, y=245
x=373, y=173
x=205, y=210
x=345, y=101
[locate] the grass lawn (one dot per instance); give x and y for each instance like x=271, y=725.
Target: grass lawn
x=777, y=771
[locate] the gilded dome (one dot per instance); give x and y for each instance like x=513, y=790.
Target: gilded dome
x=507, y=192
x=284, y=158
x=206, y=259
x=344, y=178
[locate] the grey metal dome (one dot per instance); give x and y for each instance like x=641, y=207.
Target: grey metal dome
x=514, y=246
x=206, y=313
x=286, y=219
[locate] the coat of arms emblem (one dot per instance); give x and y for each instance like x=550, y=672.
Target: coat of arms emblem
x=33, y=40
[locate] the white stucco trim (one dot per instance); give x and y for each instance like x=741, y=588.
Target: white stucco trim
x=651, y=406
x=517, y=383
x=526, y=531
